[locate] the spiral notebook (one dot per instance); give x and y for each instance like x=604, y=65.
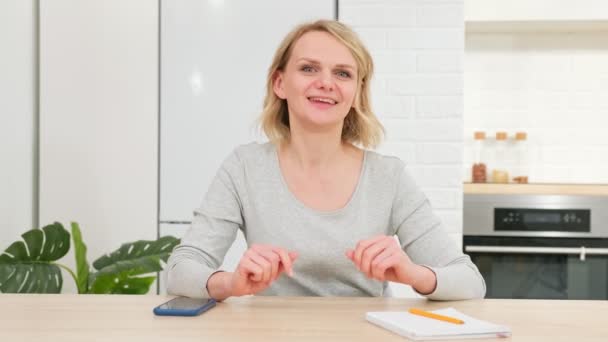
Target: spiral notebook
x=420, y=328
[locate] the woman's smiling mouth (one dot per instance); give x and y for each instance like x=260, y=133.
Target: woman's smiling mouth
x=322, y=102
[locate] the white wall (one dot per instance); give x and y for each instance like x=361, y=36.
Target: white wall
x=553, y=85
x=17, y=119
x=417, y=46
x=99, y=120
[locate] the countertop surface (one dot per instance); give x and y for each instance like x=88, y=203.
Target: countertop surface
x=538, y=189
x=129, y=318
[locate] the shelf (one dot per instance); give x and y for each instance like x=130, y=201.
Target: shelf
x=546, y=26
x=538, y=189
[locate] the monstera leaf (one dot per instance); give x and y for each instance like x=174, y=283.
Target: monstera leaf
x=121, y=271
x=28, y=266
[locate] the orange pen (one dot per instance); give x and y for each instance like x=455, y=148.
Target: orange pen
x=435, y=316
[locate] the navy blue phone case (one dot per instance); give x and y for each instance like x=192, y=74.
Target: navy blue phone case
x=183, y=312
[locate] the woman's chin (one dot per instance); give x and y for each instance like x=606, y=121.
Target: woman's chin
x=321, y=122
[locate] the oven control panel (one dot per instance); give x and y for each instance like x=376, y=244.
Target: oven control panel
x=560, y=220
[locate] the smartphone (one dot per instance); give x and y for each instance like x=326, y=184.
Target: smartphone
x=184, y=306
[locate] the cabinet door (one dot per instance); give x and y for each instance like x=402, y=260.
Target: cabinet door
x=17, y=119
x=214, y=59
x=99, y=120
x=538, y=10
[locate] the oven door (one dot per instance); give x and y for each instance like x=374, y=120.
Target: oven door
x=541, y=268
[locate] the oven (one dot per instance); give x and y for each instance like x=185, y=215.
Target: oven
x=538, y=246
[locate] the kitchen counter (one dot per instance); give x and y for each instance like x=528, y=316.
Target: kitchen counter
x=537, y=189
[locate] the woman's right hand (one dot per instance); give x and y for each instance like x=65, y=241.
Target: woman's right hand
x=259, y=267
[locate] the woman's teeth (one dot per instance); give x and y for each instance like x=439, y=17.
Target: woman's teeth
x=321, y=99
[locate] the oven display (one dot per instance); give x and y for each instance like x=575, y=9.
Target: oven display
x=560, y=220
x=536, y=218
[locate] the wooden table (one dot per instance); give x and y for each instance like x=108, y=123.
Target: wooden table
x=130, y=318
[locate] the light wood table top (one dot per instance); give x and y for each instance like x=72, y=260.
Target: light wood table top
x=129, y=318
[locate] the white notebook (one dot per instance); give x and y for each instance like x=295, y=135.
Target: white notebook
x=418, y=328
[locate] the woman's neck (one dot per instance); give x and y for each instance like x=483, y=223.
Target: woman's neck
x=315, y=150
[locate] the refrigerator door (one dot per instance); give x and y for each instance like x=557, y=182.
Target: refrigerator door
x=214, y=59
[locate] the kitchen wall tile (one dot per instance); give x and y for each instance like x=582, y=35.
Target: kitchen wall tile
x=417, y=90
x=439, y=15
x=393, y=106
x=439, y=107
x=391, y=62
x=373, y=38
x=428, y=84
x=379, y=15
x=432, y=38
x=424, y=130
x=439, y=62
x=400, y=149
x=439, y=153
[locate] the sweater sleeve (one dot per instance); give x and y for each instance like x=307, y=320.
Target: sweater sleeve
x=213, y=230
x=424, y=239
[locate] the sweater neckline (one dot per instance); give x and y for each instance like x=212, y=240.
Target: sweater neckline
x=298, y=203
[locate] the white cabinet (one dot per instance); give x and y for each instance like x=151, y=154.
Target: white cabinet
x=17, y=119
x=535, y=10
x=99, y=120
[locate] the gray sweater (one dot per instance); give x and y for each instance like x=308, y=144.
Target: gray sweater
x=249, y=193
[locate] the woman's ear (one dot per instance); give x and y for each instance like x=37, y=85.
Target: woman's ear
x=277, y=85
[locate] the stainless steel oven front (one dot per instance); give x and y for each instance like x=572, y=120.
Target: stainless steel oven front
x=539, y=246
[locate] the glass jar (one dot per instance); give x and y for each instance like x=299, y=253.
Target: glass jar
x=499, y=171
x=520, y=172
x=479, y=172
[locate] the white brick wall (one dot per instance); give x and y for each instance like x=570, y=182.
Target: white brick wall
x=553, y=85
x=417, y=46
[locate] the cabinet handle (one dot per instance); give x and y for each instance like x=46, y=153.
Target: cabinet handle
x=581, y=251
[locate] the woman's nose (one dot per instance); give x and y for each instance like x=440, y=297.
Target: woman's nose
x=325, y=81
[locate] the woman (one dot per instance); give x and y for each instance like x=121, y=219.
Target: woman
x=318, y=212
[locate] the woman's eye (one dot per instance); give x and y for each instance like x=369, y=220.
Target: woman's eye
x=307, y=68
x=343, y=74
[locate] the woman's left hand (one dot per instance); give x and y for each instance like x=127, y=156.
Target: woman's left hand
x=382, y=258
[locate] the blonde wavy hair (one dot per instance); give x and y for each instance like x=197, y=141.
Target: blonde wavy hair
x=360, y=124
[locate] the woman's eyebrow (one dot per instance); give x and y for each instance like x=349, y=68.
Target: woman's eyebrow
x=309, y=60
x=346, y=66
x=315, y=62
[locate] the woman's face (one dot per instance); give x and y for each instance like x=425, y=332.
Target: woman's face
x=319, y=82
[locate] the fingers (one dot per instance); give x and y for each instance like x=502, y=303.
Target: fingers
x=272, y=261
x=350, y=253
x=375, y=256
x=362, y=246
x=265, y=266
x=379, y=266
x=371, y=253
x=250, y=269
x=286, y=259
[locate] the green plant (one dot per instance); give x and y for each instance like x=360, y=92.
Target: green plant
x=30, y=266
